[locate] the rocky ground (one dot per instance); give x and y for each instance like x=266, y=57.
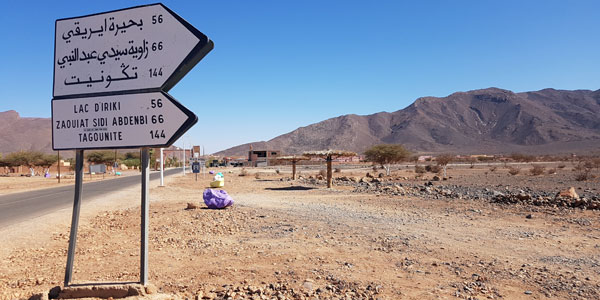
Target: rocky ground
x=299, y=240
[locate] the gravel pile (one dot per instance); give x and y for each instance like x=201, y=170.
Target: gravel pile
x=334, y=288
x=436, y=190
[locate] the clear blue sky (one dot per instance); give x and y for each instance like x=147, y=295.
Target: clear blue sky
x=279, y=65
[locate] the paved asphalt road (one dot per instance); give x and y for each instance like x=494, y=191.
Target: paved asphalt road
x=21, y=206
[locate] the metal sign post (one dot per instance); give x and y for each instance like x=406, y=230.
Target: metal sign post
x=75, y=215
x=162, y=163
x=58, y=165
x=203, y=166
x=183, y=159
x=145, y=212
x=112, y=72
x=196, y=168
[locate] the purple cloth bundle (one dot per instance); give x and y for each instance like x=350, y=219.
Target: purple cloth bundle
x=217, y=198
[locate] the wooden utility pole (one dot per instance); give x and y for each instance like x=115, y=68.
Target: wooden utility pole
x=293, y=159
x=329, y=173
x=328, y=156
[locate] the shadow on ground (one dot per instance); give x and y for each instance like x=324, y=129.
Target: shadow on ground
x=291, y=188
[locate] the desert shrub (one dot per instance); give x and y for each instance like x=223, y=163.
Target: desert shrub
x=596, y=162
x=561, y=166
x=337, y=170
x=522, y=157
x=537, y=170
x=257, y=175
x=323, y=173
x=493, y=168
x=433, y=168
x=419, y=169
x=582, y=176
x=513, y=171
x=244, y=172
x=582, y=171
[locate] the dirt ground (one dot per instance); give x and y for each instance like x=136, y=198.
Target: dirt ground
x=284, y=240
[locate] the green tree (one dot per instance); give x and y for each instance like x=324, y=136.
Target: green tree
x=101, y=157
x=71, y=162
x=130, y=155
x=46, y=160
x=172, y=161
x=4, y=162
x=132, y=159
x=24, y=158
x=443, y=161
x=386, y=155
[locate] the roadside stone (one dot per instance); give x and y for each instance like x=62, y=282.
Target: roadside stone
x=54, y=292
x=199, y=295
x=192, y=205
x=568, y=193
x=102, y=291
x=39, y=296
x=151, y=289
x=308, y=285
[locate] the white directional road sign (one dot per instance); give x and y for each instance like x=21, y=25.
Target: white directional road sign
x=140, y=48
x=151, y=119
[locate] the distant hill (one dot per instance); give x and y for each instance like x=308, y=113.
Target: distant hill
x=24, y=133
x=481, y=121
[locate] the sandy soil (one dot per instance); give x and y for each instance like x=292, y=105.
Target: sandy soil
x=330, y=243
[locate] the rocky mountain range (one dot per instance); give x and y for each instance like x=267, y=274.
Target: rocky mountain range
x=481, y=121
x=475, y=122
x=24, y=133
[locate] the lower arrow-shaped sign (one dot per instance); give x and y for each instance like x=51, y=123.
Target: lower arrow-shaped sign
x=121, y=121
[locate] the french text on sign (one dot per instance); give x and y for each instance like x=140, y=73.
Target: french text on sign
x=118, y=121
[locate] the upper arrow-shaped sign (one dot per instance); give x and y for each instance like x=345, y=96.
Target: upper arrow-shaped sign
x=145, y=48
